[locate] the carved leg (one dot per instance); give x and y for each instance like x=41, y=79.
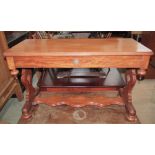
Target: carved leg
x=31, y=92
x=126, y=93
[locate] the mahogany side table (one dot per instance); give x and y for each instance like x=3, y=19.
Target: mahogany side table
x=79, y=53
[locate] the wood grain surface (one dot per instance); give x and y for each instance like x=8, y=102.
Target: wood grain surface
x=120, y=61
x=78, y=47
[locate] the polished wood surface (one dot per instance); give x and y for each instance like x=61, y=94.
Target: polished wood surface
x=78, y=47
x=79, y=61
x=78, y=53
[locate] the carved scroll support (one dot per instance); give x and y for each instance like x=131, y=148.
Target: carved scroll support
x=126, y=93
x=31, y=92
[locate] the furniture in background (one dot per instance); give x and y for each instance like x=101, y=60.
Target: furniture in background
x=148, y=39
x=8, y=84
x=78, y=34
x=136, y=35
x=79, y=53
x=14, y=37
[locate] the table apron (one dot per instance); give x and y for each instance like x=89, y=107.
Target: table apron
x=138, y=61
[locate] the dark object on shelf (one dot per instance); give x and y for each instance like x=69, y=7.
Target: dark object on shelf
x=78, y=72
x=82, y=78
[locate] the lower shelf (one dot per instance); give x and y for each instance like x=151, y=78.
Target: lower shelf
x=80, y=91
x=100, y=99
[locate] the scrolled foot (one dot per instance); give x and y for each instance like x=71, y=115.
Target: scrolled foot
x=131, y=112
x=26, y=115
x=132, y=118
x=27, y=111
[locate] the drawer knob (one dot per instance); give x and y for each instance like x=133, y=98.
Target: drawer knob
x=76, y=61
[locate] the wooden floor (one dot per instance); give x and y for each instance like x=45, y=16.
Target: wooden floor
x=86, y=115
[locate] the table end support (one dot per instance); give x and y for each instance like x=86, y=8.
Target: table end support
x=31, y=92
x=126, y=93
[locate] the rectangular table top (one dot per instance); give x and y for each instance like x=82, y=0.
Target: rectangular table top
x=78, y=47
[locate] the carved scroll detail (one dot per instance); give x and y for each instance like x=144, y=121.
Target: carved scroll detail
x=30, y=92
x=126, y=93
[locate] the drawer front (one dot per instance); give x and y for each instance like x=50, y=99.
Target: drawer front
x=81, y=62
